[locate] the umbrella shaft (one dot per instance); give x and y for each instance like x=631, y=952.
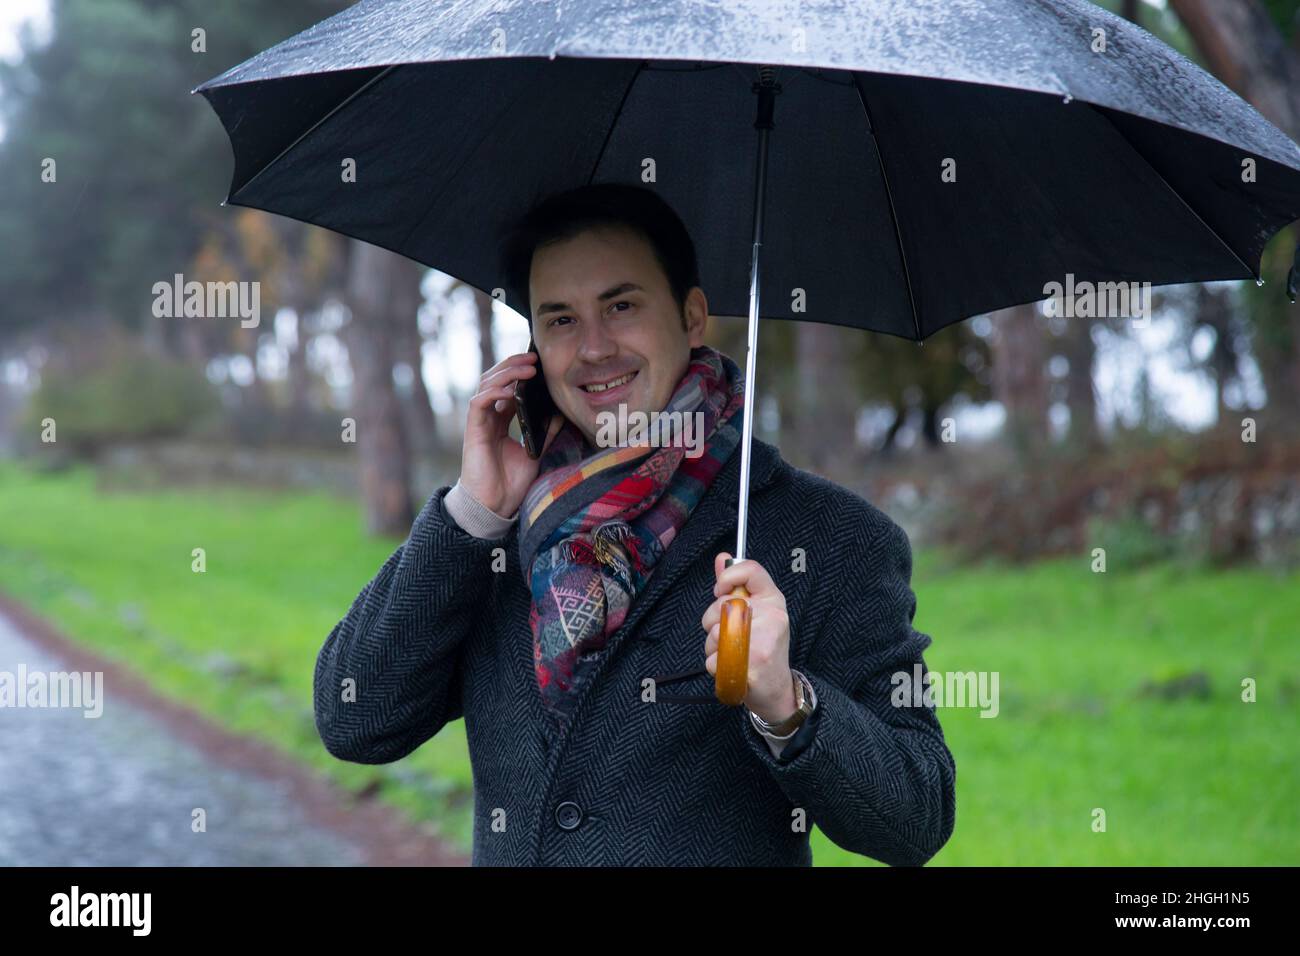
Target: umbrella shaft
x=764, y=126
x=751, y=353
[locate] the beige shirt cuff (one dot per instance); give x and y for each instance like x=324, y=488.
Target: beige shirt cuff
x=475, y=517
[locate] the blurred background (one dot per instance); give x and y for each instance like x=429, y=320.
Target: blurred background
x=1011, y=447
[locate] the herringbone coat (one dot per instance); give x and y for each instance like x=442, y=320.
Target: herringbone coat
x=679, y=779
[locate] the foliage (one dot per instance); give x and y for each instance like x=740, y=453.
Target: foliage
x=1210, y=497
x=131, y=396
x=108, y=99
x=1129, y=541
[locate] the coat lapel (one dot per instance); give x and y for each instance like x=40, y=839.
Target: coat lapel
x=713, y=517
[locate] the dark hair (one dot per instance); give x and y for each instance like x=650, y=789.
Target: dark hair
x=564, y=215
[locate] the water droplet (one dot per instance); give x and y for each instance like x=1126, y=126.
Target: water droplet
x=1259, y=282
x=1068, y=98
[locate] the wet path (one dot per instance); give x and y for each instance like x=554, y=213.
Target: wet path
x=121, y=789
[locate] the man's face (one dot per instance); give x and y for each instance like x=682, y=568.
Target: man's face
x=603, y=310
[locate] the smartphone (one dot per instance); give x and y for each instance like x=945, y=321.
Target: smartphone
x=534, y=407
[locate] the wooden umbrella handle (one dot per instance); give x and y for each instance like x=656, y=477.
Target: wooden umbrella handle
x=731, y=680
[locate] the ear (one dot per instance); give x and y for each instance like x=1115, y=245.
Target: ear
x=697, y=316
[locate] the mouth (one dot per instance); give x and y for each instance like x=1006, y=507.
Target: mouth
x=602, y=393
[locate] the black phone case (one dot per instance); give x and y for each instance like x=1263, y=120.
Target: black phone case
x=533, y=408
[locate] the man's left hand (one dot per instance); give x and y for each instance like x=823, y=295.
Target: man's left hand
x=771, y=682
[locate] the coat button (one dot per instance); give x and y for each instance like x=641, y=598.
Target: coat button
x=568, y=815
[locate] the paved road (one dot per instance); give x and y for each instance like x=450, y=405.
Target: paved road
x=120, y=790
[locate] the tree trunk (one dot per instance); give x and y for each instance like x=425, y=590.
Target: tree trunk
x=256, y=394
x=900, y=417
x=487, y=354
x=1243, y=48
x=1214, y=309
x=1080, y=390
x=826, y=407
x=299, y=376
x=374, y=275
x=930, y=425
x=1020, y=376
x=419, y=400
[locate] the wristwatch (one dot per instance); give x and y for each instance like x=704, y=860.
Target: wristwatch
x=805, y=700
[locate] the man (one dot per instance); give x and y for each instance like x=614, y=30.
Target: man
x=567, y=607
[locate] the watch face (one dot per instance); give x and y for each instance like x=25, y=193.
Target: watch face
x=805, y=693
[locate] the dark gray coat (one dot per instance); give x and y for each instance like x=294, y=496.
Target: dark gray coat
x=438, y=635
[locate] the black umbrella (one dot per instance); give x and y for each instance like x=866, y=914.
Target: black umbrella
x=935, y=159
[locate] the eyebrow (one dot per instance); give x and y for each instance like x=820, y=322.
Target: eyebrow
x=607, y=294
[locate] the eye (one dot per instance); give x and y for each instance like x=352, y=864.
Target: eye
x=556, y=319
x=623, y=302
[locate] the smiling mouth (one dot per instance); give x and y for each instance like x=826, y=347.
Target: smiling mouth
x=596, y=389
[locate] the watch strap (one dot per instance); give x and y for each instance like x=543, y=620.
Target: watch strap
x=805, y=700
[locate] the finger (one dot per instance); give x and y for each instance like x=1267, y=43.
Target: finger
x=711, y=664
x=748, y=574
x=719, y=564
x=711, y=641
x=511, y=373
x=759, y=604
x=490, y=396
x=518, y=360
x=713, y=614
x=493, y=406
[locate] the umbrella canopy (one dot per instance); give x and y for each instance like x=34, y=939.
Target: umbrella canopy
x=1074, y=143
x=927, y=160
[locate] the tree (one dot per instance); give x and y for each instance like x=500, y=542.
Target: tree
x=826, y=407
x=922, y=379
x=108, y=101
x=1242, y=44
x=379, y=297
x=483, y=305
x=1020, y=375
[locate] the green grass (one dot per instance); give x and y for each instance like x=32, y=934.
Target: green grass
x=1182, y=782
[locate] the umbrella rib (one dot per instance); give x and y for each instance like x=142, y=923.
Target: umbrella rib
x=614, y=122
x=889, y=195
x=315, y=126
x=817, y=74
x=1169, y=186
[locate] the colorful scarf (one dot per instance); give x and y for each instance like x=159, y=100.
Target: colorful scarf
x=596, y=521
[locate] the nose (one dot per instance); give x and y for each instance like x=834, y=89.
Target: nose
x=597, y=345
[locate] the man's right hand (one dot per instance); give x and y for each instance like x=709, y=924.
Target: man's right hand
x=495, y=468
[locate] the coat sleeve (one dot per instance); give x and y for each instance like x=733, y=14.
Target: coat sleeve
x=878, y=779
x=399, y=645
